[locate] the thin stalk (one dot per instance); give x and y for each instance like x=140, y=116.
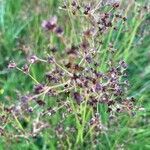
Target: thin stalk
x=63, y=69
x=28, y=75
x=18, y=123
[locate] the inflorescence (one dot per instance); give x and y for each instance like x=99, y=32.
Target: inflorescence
x=79, y=79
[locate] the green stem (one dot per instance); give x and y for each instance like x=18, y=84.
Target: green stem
x=17, y=121
x=28, y=75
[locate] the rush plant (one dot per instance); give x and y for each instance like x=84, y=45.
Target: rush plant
x=84, y=89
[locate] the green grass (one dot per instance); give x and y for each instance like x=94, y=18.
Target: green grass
x=20, y=24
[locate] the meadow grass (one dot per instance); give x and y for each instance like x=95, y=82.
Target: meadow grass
x=21, y=35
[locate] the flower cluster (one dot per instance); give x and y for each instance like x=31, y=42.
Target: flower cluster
x=77, y=84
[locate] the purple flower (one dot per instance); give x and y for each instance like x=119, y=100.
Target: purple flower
x=77, y=97
x=39, y=89
x=99, y=74
x=51, y=59
x=12, y=64
x=116, y=5
x=98, y=87
x=59, y=31
x=24, y=99
x=50, y=24
x=33, y=59
x=123, y=64
x=88, y=59
x=74, y=3
x=30, y=109
x=87, y=9
x=25, y=68
x=40, y=102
